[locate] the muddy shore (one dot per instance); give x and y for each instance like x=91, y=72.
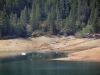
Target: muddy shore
x=80, y=49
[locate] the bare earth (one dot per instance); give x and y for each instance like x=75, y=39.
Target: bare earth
x=79, y=49
x=91, y=55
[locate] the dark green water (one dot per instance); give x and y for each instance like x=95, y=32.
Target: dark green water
x=39, y=64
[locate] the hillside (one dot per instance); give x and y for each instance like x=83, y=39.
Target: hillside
x=24, y=18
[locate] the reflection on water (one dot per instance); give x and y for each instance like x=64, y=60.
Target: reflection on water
x=38, y=64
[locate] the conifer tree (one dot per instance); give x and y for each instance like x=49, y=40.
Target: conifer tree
x=58, y=22
x=38, y=13
x=32, y=18
x=54, y=16
x=13, y=19
x=21, y=29
x=4, y=24
x=24, y=17
x=62, y=8
x=92, y=5
x=51, y=22
x=13, y=22
x=72, y=16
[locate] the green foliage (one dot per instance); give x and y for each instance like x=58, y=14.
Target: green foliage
x=21, y=30
x=64, y=30
x=88, y=29
x=37, y=33
x=79, y=25
x=34, y=34
x=4, y=24
x=22, y=17
x=38, y=13
x=50, y=23
x=32, y=18
x=79, y=34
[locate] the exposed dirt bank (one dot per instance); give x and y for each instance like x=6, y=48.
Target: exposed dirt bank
x=92, y=55
x=70, y=44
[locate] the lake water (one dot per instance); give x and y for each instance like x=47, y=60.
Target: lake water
x=39, y=64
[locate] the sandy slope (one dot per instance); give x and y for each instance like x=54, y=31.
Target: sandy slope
x=15, y=44
x=87, y=55
x=92, y=53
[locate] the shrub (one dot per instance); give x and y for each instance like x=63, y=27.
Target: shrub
x=37, y=33
x=86, y=31
x=34, y=34
x=78, y=34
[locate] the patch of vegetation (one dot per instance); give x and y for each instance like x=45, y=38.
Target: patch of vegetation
x=22, y=18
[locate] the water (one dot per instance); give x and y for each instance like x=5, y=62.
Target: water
x=39, y=64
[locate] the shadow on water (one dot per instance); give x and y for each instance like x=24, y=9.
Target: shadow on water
x=34, y=55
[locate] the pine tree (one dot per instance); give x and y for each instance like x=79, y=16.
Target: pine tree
x=48, y=6
x=18, y=6
x=57, y=13
x=94, y=15
x=62, y=8
x=24, y=17
x=72, y=17
x=58, y=19
x=54, y=16
x=13, y=19
x=38, y=13
x=51, y=23
x=13, y=22
x=92, y=5
x=21, y=29
x=67, y=8
x=2, y=4
x=32, y=18
x=4, y=24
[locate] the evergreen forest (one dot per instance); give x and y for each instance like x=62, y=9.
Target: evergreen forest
x=24, y=18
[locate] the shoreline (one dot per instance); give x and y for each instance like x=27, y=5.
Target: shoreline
x=73, y=46
x=90, y=55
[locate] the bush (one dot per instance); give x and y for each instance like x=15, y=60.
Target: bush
x=78, y=34
x=34, y=34
x=37, y=33
x=86, y=31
